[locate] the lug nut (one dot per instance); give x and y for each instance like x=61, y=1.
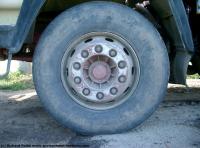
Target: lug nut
x=77, y=80
x=122, y=64
x=113, y=53
x=86, y=91
x=98, y=48
x=100, y=95
x=122, y=79
x=84, y=53
x=113, y=91
x=77, y=65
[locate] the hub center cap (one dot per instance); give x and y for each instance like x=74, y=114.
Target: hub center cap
x=99, y=72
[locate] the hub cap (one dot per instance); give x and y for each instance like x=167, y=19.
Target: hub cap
x=99, y=72
x=104, y=69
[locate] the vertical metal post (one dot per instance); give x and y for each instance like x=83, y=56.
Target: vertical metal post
x=8, y=66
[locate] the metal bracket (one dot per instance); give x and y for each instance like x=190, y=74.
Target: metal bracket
x=8, y=66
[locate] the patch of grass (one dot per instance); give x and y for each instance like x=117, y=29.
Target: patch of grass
x=195, y=76
x=17, y=81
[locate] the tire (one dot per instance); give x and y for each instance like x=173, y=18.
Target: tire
x=125, y=23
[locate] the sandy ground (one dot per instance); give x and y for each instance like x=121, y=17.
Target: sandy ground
x=175, y=124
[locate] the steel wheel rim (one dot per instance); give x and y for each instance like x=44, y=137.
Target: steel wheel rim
x=100, y=70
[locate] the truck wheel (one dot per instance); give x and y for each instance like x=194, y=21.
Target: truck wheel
x=100, y=68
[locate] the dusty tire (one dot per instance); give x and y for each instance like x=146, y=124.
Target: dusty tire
x=101, y=17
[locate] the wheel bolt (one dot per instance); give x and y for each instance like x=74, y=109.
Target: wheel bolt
x=77, y=65
x=98, y=48
x=100, y=95
x=86, y=91
x=122, y=64
x=113, y=53
x=113, y=91
x=122, y=79
x=84, y=53
x=77, y=80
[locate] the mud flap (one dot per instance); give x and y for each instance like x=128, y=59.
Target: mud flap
x=179, y=66
x=174, y=19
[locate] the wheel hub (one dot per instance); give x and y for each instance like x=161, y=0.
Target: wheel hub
x=104, y=70
x=99, y=72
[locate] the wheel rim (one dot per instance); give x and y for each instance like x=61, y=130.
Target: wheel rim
x=100, y=70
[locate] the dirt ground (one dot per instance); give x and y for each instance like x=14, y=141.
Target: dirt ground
x=176, y=123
